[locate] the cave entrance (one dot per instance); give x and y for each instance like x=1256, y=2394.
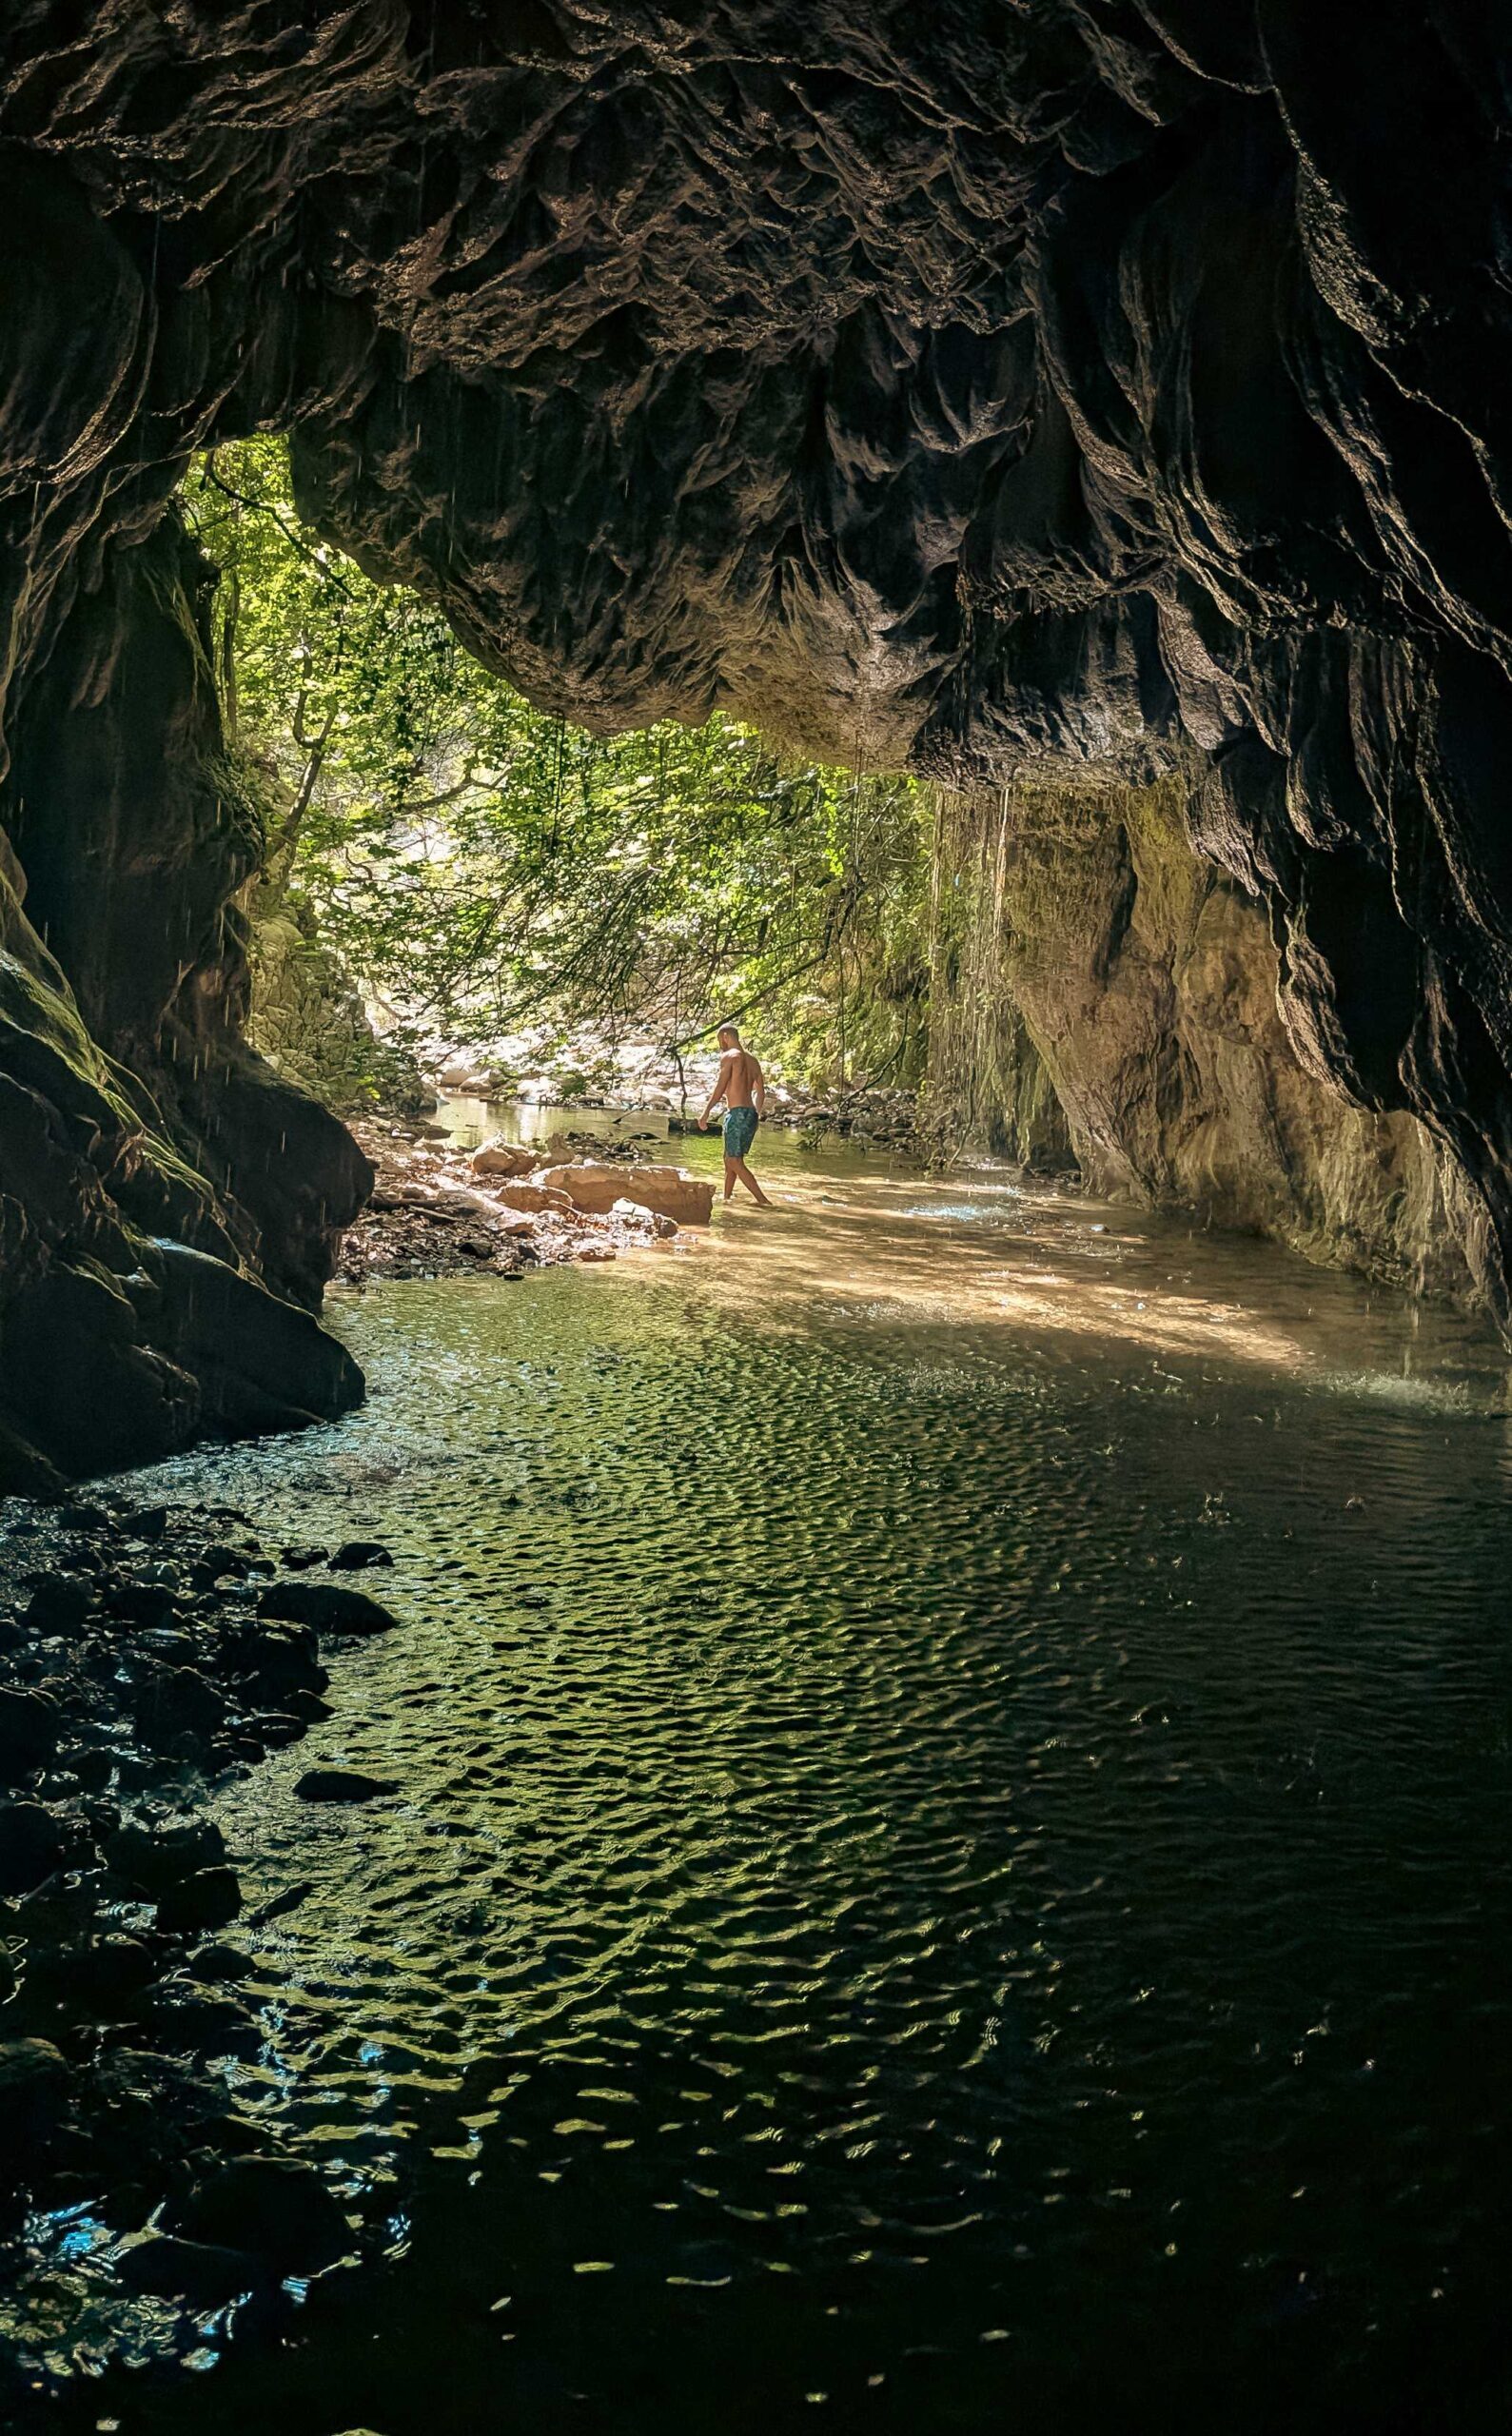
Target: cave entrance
x=460, y=891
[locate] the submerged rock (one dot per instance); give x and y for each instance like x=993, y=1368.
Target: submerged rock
x=203, y=2272
x=279, y=2210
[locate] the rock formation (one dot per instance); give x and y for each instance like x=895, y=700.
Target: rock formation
x=1148, y=983
x=1086, y=383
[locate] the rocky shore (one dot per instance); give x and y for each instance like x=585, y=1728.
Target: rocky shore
x=147, y=1655
x=438, y=1210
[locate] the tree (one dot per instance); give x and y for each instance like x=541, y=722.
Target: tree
x=478, y=863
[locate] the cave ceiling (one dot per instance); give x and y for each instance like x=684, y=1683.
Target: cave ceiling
x=1105, y=383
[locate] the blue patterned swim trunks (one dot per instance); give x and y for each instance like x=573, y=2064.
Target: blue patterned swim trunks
x=740, y=1131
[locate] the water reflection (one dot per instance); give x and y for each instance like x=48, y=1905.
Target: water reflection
x=953, y=1859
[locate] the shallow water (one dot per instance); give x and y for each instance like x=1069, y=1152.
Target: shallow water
x=953, y=1868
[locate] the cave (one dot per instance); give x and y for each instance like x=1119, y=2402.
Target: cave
x=1087, y=392
x=1087, y=406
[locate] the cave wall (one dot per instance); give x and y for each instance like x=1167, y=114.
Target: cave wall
x=131, y=1321
x=168, y=1205
x=1078, y=387
x=1148, y=980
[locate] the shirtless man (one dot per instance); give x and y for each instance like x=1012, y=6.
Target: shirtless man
x=742, y=1087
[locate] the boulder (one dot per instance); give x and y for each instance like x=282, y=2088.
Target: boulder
x=107, y=1970
x=282, y=1657
x=203, y=2272
x=502, y=1159
x=170, y=1701
x=342, y=1784
x=155, y=1858
x=33, y=1845
x=60, y=1602
x=35, y=2085
x=276, y=2208
x=533, y=1198
x=594, y=1187
x=326, y=1605
x=29, y=1732
x=206, y=1901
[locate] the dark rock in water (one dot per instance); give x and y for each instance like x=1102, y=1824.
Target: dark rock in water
x=170, y=1701
x=289, y=1901
x=146, y=1603
x=326, y=1605
x=206, y=1901
x=146, y=1522
x=59, y=1603
x=29, y=1727
x=308, y=1706
x=279, y=2210
x=154, y=1858
x=342, y=1784
x=92, y=1768
x=357, y=1554
x=216, y=1559
x=215, y=1962
x=35, y=2085
x=300, y=1560
x=107, y=1969
x=199, y=2272
x=32, y=1844
x=281, y=1653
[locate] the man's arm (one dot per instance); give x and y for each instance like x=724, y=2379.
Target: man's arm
x=758, y=1089
x=722, y=1082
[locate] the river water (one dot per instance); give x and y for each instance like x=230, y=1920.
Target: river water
x=953, y=1868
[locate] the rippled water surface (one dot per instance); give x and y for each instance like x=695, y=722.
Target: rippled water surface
x=953, y=1868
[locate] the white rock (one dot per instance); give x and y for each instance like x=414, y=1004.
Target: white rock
x=534, y=1197
x=500, y=1158
x=593, y=1186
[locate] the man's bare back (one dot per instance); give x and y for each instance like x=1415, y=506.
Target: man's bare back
x=741, y=1078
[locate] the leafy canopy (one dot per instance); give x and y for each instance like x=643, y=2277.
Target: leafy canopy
x=479, y=864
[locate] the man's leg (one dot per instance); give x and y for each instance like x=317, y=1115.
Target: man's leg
x=730, y=1168
x=748, y=1180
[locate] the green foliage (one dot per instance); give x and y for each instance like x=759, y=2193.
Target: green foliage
x=477, y=863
